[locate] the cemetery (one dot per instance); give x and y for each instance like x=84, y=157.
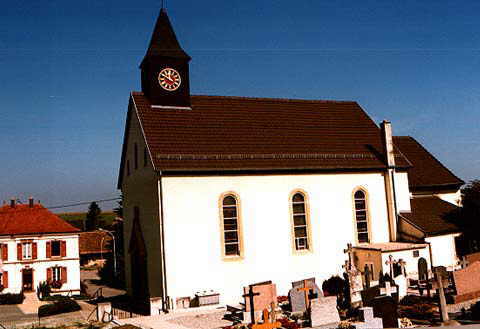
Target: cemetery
x=432, y=297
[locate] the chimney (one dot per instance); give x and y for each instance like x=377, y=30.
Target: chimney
x=12, y=203
x=387, y=141
x=30, y=202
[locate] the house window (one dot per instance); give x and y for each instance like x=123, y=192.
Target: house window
x=56, y=273
x=27, y=250
x=231, y=238
x=56, y=249
x=300, y=226
x=361, y=217
x=416, y=253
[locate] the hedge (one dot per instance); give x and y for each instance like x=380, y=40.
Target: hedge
x=59, y=306
x=11, y=299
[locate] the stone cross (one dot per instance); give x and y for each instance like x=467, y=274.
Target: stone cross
x=307, y=290
x=251, y=295
x=390, y=263
x=388, y=289
x=463, y=263
x=443, y=302
x=350, y=264
x=267, y=324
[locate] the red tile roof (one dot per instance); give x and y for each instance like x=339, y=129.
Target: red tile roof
x=95, y=242
x=238, y=133
x=36, y=220
x=428, y=214
x=427, y=171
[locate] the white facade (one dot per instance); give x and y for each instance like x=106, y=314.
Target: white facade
x=443, y=250
x=15, y=267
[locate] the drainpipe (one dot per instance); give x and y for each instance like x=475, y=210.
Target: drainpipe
x=165, y=299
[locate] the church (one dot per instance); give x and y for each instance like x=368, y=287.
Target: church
x=221, y=192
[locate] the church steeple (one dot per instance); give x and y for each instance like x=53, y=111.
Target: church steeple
x=165, y=71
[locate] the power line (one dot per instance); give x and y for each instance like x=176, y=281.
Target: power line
x=82, y=203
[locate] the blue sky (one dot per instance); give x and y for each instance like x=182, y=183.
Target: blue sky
x=68, y=68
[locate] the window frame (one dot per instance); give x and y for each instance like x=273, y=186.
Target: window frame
x=59, y=248
x=224, y=256
x=367, y=214
x=306, y=202
x=59, y=270
x=25, y=250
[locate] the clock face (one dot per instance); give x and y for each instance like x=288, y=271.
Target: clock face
x=169, y=79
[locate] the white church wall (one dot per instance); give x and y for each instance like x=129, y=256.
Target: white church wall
x=140, y=189
x=193, y=239
x=402, y=192
x=454, y=197
x=443, y=250
x=411, y=266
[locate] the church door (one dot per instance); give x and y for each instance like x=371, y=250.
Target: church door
x=138, y=261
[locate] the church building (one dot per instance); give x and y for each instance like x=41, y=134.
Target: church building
x=221, y=192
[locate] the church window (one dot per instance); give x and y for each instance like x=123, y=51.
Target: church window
x=135, y=156
x=300, y=222
x=361, y=216
x=145, y=157
x=231, y=231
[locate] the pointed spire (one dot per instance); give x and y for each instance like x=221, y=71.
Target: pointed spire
x=164, y=42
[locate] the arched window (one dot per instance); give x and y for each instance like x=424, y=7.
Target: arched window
x=300, y=221
x=361, y=216
x=231, y=231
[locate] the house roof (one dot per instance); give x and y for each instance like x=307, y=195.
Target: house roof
x=94, y=242
x=23, y=219
x=239, y=133
x=427, y=171
x=428, y=214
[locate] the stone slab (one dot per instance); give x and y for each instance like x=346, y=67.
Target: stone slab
x=268, y=295
x=297, y=297
x=323, y=311
x=467, y=284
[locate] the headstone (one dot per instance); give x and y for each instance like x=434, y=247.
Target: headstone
x=385, y=307
x=388, y=289
x=367, y=275
x=323, y=311
x=104, y=312
x=368, y=321
x=402, y=284
x=368, y=295
x=183, y=302
x=390, y=262
x=422, y=269
x=156, y=305
x=297, y=296
x=258, y=297
x=354, y=276
x=467, y=283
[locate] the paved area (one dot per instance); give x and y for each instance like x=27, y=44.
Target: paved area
x=92, y=281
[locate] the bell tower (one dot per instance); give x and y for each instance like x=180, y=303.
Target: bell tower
x=165, y=70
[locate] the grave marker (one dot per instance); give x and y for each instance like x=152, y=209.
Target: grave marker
x=323, y=311
x=467, y=283
x=385, y=307
x=266, y=322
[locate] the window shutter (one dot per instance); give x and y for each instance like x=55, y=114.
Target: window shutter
x=49, y=249
x=34, y=250
x=5, y=252
x=63, y=247
x=64, y=274
x=19, y=251
x=49, y=274
x=5, y=279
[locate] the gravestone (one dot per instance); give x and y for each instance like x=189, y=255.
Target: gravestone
x=386, y=308
x=368, y=295
x=267, y=323
x=467, y=283
x=323, y=311
x=297, y=296
x=354, y=276
x=402, y=285
x=422, y=269
x=259, y=296
x=368, y=321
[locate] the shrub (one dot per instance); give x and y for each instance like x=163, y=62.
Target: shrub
x=475, y=309
x=61, y=305
x=334, y=286
x=43, y=290
x=11, y=299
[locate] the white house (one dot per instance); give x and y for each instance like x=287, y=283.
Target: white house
x=36, y=246
x=222, y=192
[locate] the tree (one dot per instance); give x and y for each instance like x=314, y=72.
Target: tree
x=119, y=210
x=93, y=217
x=467, y=218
